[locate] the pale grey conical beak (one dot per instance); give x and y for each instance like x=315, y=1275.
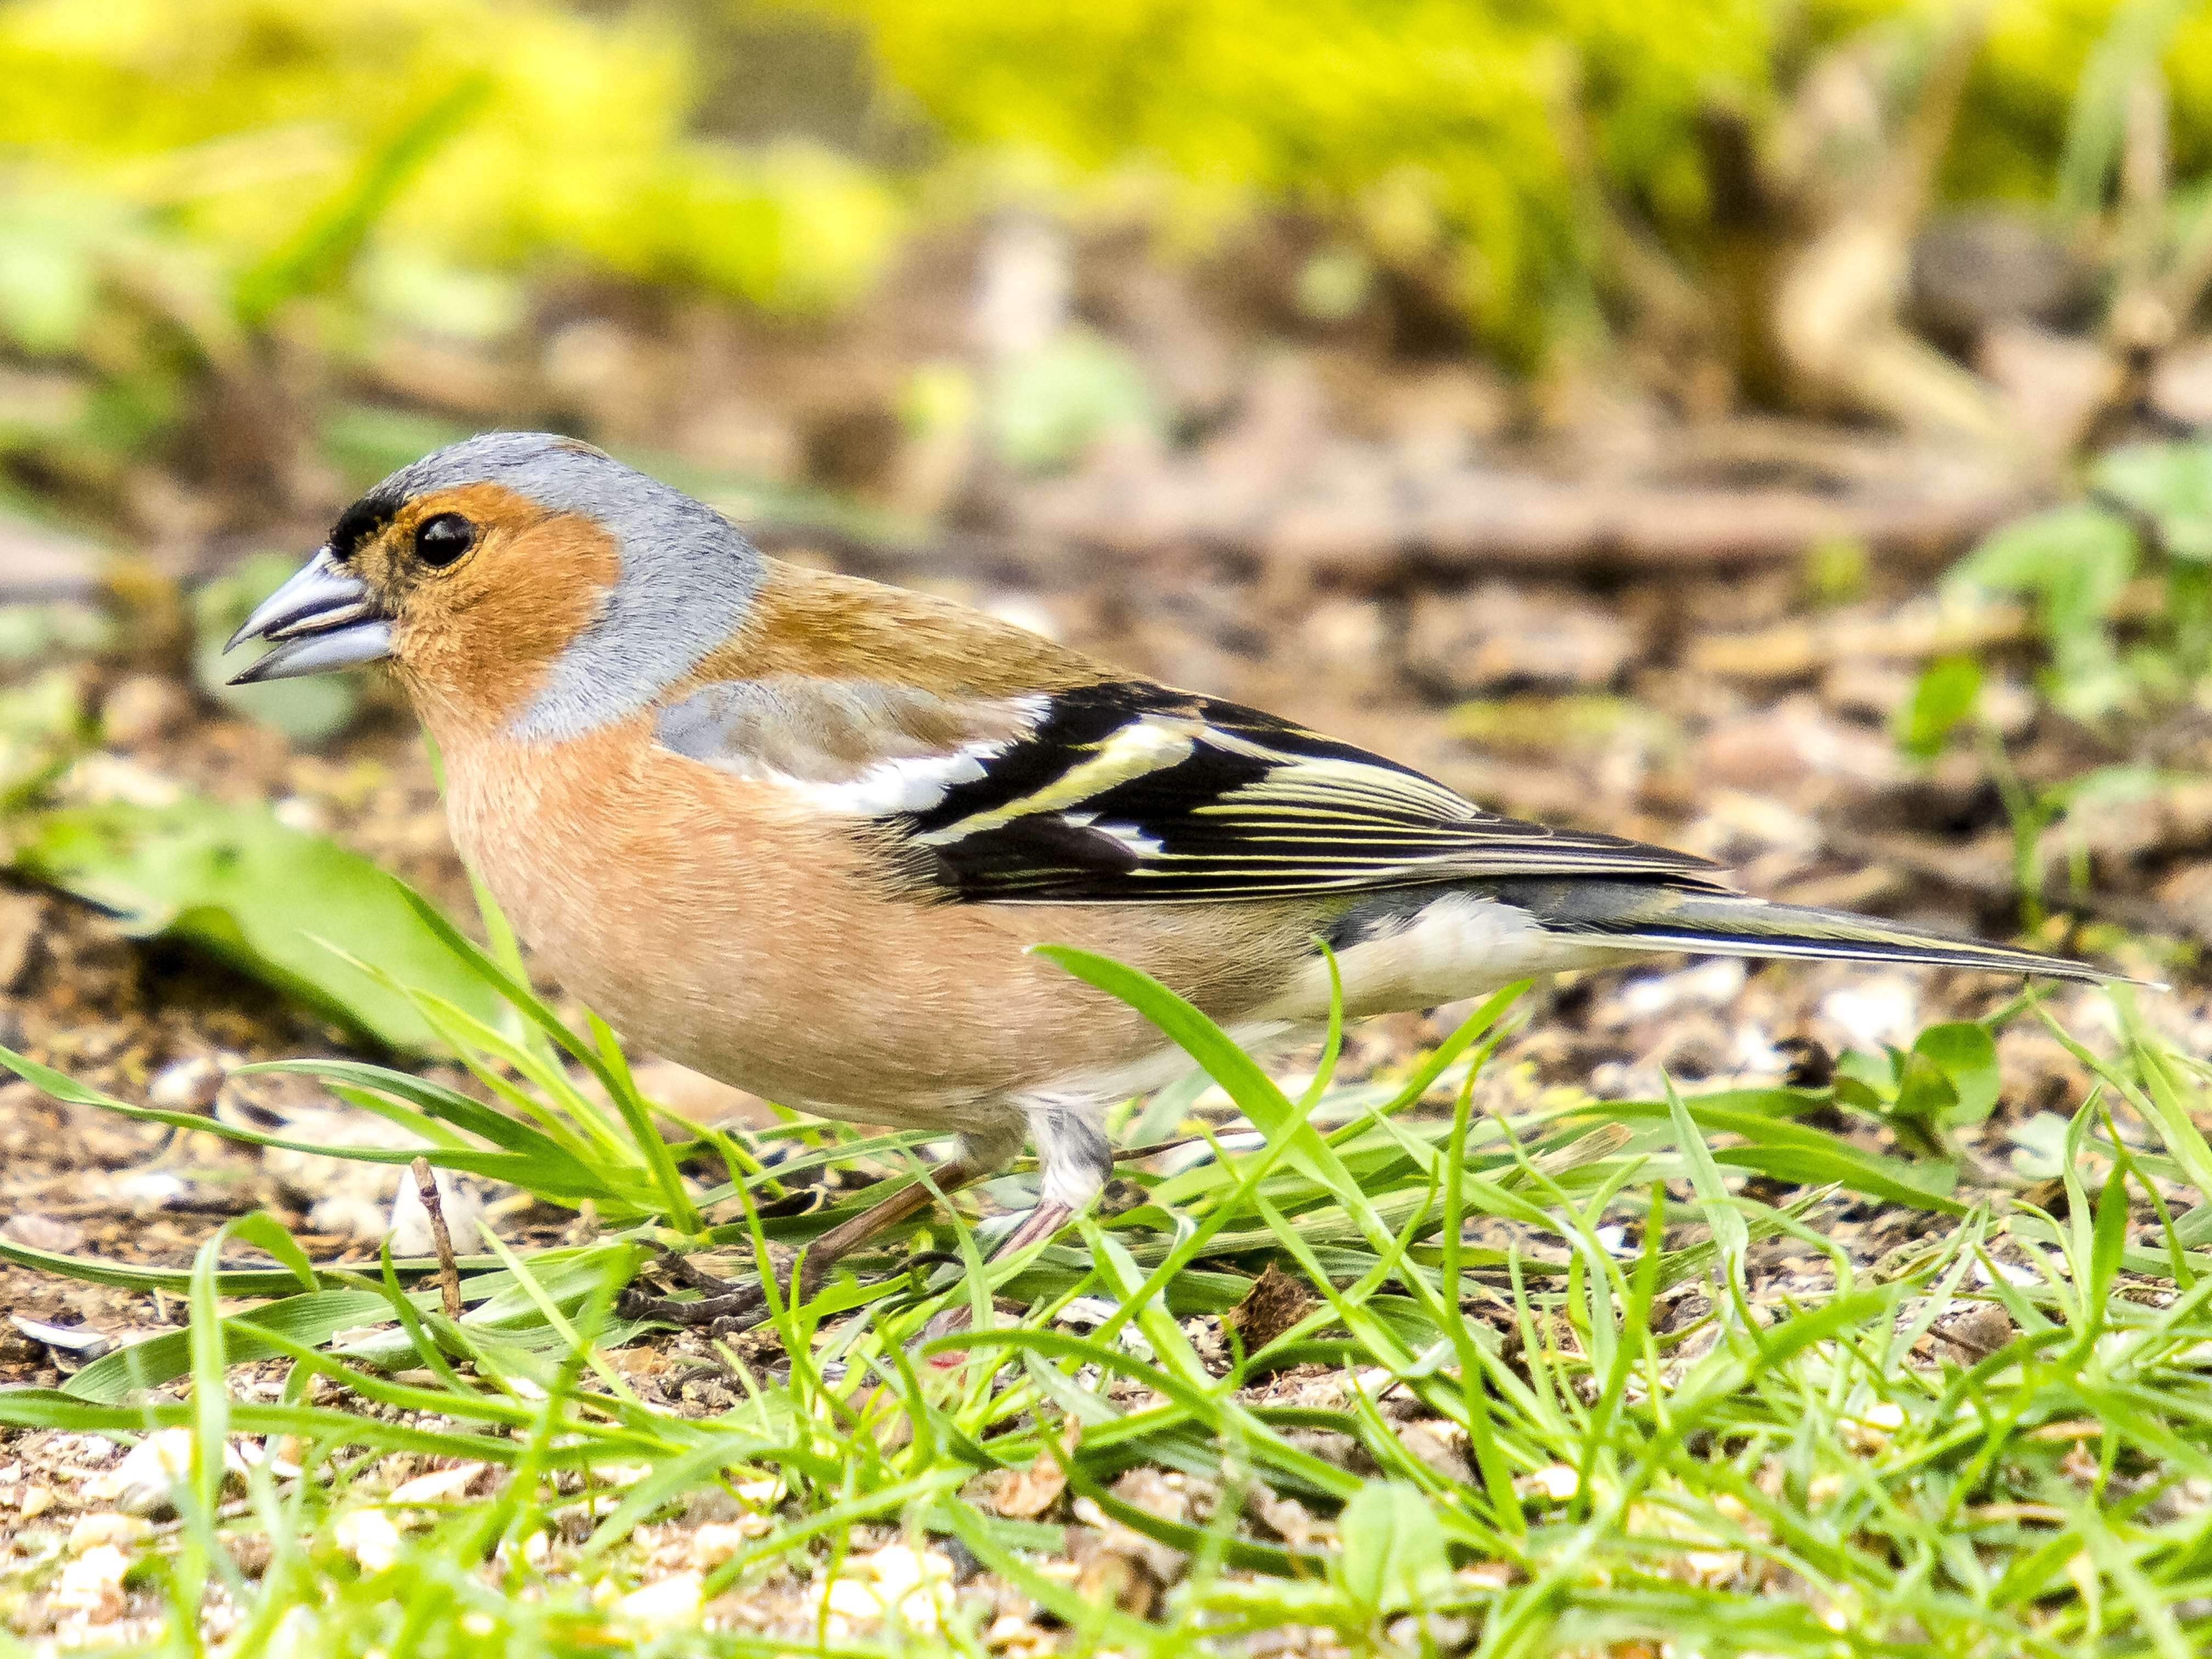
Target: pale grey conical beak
x=324, y=618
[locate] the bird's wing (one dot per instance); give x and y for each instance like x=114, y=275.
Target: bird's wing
x=1123, y=790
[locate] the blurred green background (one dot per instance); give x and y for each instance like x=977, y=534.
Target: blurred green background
x=197, y=198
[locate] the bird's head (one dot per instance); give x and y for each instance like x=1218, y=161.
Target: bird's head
x=518, y=581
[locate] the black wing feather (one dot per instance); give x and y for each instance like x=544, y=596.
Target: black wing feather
x=1128, y=791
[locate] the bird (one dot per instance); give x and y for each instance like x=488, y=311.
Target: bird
x=803, y=832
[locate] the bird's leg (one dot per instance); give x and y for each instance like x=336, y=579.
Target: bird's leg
x=734, y=1307
x=1074, y=1160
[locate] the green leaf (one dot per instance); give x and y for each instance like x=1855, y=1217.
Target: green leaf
x=555, y=1177
x=265, y=1232
x=2074, y=563
x=1731, y=1238
x=50, y=254
x=1925, y=1095
x=2133, y=39
x=2172, y=1107
x=314, y=1318
x=1393, y=1548
x=1944, y=697
x=1257, y=1096
x=1965, y=1054
x=2108, y=1241
x=1796, y=1153
x=1873, y=1077
x=234, y=882
x=235, y=1281
x=50, y=1409
x=375, y=1088
x=2169, y=483
x=43, y=728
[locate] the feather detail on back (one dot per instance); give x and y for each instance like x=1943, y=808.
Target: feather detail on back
x=1130, y=791
x=852, y=747
x=821, y=625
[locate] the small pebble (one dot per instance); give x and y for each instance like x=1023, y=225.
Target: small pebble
x=351, y=1215
x=667, y=1604
x=410, y=1222
x=1557, y=1481
x=298, y=812
x=368, y=1536
x=151, y=1189
x=107, y=1527
x=1880, y=1009
x=145, y=1481
x=42, y=1232
x=91, y=1586
x=187, y=1086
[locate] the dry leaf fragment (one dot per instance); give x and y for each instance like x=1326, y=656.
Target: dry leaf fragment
x=1275, y=1303
x=1111, y=1570
x=78, y=1341
x=1026, y=1493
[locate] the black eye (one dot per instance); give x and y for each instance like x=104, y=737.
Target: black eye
x=443, y=537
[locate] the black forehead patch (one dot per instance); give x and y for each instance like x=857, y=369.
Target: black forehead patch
x=360, y=522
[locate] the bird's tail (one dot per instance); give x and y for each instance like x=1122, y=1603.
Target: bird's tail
x=1661, y=916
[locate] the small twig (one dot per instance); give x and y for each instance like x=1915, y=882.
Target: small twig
x=449, y=1271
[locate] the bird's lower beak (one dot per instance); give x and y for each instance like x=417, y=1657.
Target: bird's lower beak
x=324, y=618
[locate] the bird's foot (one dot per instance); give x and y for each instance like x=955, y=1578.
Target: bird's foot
x=725, y=1306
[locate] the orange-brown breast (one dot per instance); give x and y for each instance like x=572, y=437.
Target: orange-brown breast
x=724, y=923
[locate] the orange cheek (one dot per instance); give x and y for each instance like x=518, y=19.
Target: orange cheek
x=477, y=645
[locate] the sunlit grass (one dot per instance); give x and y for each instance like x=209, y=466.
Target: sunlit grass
x=1641, y=1443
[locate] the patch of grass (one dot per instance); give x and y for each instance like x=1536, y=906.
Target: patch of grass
x=1548, y=1386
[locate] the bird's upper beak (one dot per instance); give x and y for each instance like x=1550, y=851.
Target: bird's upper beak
x=324, y=618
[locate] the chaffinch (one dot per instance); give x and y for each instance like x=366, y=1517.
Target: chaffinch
x=798, y=831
